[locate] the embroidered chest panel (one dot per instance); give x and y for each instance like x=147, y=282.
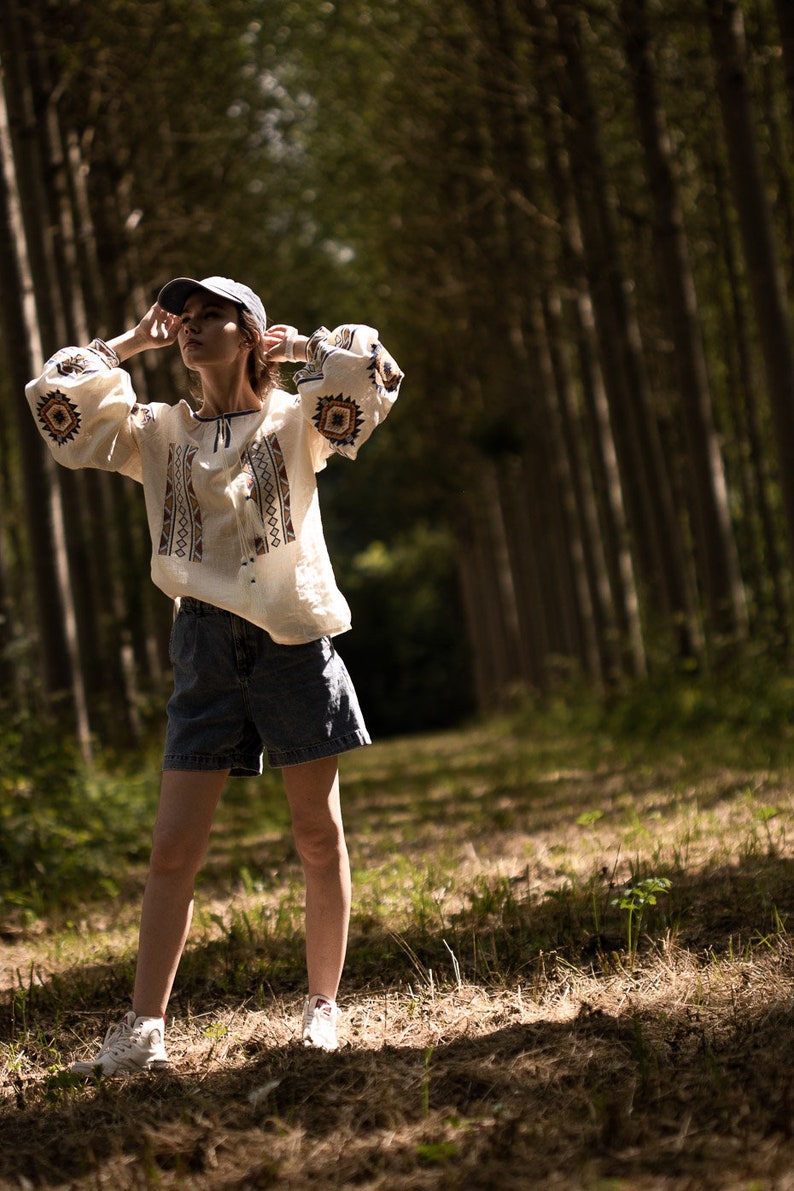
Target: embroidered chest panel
x=182, y=522
x=268, y=483
x=265, y=471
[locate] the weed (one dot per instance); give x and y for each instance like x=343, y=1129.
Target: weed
x=455, y=965
x=435, y=1152
x=426, y=1082
x=764, y=815
x=635, y=901
x=588, y=818
x=61, y=1084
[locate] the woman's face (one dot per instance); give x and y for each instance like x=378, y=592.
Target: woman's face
x=210, y=333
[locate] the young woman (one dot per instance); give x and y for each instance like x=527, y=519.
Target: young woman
x=237, y=542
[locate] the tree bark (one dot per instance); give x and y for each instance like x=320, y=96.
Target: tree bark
x=764, y=272
x=715, y=545
x=655, y=527
x=43, y=502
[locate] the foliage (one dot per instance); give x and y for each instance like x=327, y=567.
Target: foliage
x=634, y=901
x=70, y=834
x=66, y=834
x=747, y=705
x=407, y=652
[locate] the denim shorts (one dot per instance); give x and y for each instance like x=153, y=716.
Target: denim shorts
x=237, y=694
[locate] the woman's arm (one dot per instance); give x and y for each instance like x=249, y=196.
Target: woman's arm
x=157, y=328
x=282, y=342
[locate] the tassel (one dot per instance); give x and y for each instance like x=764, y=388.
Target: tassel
x=223, y=431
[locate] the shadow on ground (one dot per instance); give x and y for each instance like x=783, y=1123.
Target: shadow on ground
x=637, y=1096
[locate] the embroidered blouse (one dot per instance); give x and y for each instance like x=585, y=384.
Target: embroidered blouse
x=231, y=501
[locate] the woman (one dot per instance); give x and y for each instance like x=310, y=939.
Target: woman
x=237, y=542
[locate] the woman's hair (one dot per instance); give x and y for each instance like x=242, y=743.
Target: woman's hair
x=263, y=374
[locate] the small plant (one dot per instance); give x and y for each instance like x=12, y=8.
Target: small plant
x=60, y=1084
x=434, y=1152
x=634, y=902
x=216, y=1030
x=764, y=815
x=426, y=1082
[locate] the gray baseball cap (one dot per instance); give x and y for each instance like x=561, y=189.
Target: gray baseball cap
x=172, y=297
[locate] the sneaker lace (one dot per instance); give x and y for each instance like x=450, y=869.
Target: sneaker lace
x=116, y=1036
x=318, y=1005
x=122, y=1039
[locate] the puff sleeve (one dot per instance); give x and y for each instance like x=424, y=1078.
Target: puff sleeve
x=85, y=406
x=347, y=387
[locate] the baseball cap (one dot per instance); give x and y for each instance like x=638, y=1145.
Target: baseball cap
x=172, y=297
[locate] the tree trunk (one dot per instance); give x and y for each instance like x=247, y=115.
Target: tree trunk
x=764, y=273
x=784, y=10
x=607, y=482
x=715, y=544
x=567, y=470
x=656, y=532
x=35, y=276
x=763, y=541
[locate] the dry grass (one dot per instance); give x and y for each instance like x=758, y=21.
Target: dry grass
x=497, y=1030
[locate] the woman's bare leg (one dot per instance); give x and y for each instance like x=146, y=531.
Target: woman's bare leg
x=188, y=801
x=313, y=795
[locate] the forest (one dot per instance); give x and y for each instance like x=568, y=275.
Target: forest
x=572, y=225
x=569, y=556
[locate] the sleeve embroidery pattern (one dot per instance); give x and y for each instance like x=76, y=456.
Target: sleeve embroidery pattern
x=59, y=416
x=384, y=370
x=318, y=349
x=339, y=420
x=74, y=365
x=182, y=532
x=266, y=469
x=141, y=415
x=110, y=357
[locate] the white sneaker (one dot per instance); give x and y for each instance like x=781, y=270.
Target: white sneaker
x=319, y=1023
x=133, y=1044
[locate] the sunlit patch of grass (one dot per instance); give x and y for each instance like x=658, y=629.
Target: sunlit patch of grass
x=523, y=991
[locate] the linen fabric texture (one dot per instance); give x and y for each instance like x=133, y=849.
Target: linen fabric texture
x=231, y=501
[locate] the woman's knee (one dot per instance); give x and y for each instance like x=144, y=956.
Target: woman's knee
x=319, y=845
x=172, y=855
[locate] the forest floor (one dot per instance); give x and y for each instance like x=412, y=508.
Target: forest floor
x=527, y=1003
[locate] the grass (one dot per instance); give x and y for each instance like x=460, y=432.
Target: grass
x=570, y=966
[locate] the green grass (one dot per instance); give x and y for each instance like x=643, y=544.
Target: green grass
x=569, y=967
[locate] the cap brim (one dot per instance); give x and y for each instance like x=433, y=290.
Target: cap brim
x=172, y=297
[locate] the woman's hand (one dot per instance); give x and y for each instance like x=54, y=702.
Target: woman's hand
x=157, y=328
x=282, y=342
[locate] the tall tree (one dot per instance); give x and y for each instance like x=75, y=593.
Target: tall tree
x=764, y=272
x=718, y=571
x=655, y=522
x=23, y=350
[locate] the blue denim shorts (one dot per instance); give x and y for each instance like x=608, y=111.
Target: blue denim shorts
x=238, y=694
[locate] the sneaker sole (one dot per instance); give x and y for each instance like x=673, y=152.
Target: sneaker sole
x=90, y=1070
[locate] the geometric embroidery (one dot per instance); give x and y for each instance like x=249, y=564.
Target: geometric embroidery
x=268, y=484
x=182, y=533
x=383, y=369
x=72, y=365
x=338, y=419
x=59, y=417
x=320, y=346
x=141, y=415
